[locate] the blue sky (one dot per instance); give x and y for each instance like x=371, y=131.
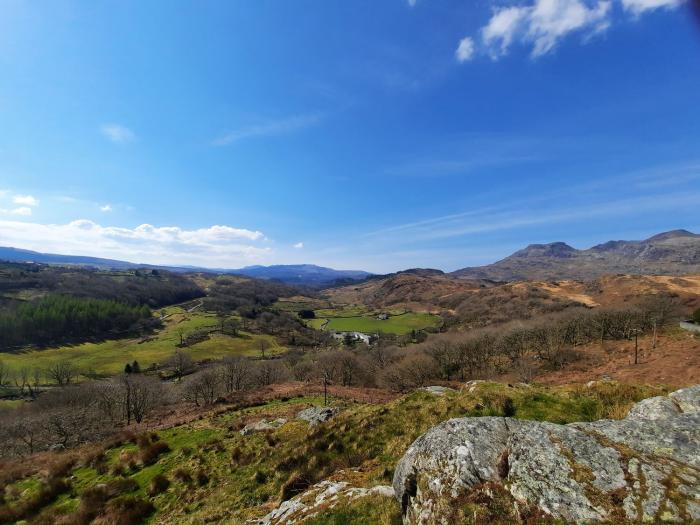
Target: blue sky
x=375, y=135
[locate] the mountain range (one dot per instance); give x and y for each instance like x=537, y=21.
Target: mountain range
x=299, y=274
x=675, y=252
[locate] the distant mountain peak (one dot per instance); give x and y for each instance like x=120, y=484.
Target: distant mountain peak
x=552, y=249
x=672, y=235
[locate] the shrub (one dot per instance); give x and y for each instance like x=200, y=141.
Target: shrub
x=182, y=475
x=127, y=510
x=159, y=484
x=150, y=453
x=296, y=483
x=202, y=477
x=508, y=408
x=696, y=316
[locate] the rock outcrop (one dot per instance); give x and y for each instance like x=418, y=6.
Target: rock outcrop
x=317, y=415
x=645, y=468
x=324, y=495
x=262, y=426
x=438, y=390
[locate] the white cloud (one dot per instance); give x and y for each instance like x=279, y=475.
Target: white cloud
x=543, y=24
x=298, y=246
x=22, y=210
x=269, y=128
x=412, y=3
x=106, y=208
x=216, y=246
x=640, y=6
x=465, y=49
x=26, y=200
x=117, y=133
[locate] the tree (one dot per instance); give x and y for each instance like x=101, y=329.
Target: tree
x=135, y=367
x=696, y=316
x=235, y=373
x=269, y=372
x=307, y=314
x=128, y=369
x=203, y=387
x=139, y=395
x=62, y=373
x=263, y=344
x=180, y=363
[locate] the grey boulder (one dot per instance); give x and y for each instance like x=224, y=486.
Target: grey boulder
x=645, y=468
x=317, y=415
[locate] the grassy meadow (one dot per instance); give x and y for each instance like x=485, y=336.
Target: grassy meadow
x=109, y=357
x=396, y=324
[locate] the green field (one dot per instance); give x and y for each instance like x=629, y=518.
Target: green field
x=396, y=324
x=109, y=357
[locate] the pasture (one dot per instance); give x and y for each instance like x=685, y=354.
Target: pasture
x=109, y=357
x=400, y=324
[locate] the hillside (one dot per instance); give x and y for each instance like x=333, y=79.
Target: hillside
x=671, y=253
x=203, y=469
x=477, y=303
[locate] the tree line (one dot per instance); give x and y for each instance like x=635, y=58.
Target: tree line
x=62, y=318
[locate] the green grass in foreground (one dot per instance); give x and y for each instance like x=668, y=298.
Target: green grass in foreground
x=244, y=476
x=109, y=357
x=396, y=324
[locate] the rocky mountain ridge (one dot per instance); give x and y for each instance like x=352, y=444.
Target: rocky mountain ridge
x=675, y=252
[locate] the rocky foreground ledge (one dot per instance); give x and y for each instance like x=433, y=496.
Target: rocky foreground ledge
x=645, y=468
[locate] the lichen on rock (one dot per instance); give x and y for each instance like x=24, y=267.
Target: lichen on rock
x=645, y=468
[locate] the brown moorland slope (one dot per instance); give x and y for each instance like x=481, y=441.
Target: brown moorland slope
x=476, y=303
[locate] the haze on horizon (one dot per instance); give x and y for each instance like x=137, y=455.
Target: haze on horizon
x=356, y=135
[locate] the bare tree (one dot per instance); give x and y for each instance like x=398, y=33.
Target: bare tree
x=180, y=363
x=263, y=344
x=235, y=373
x=146, y=394
x=63, y=373
x=349, y=366
x=27, y=379
x=203, y=387
x=414, y=371
x=269, y=372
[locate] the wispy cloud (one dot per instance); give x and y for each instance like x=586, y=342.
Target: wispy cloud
x=633, y=194
x=543, y=24
x=26, y=200
x=22, y=210
x=298, y=246
x=214, y=246
x=269, y=128
x=117, y=133
x=465, y=49
x=106, y=208
x=640, y=6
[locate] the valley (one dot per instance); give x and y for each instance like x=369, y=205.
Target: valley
x=195, y=413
